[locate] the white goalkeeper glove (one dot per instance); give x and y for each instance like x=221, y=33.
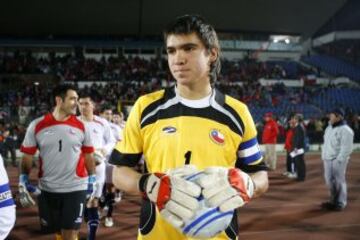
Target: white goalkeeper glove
x=174, y=196
x=226, y=188
x=183, y=171
x=25, y=188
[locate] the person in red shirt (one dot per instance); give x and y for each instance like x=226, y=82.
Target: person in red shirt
x=290, y=165
x=269, y=139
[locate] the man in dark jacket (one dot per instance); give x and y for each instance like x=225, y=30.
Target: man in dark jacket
x=298, y=146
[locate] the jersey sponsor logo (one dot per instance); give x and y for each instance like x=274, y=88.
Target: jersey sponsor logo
x=169, y=129
x=217, y=137
x=72, y=131
x=48, y=133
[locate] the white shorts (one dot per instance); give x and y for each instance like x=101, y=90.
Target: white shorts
x=109, y=172
x=100, y=179
x=7, y=220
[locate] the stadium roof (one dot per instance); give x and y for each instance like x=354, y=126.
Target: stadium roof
x=148, y=17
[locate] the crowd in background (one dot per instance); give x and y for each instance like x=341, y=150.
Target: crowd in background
x=77, y=67
x=136, y=76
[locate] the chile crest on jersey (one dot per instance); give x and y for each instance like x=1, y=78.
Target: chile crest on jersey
x=217, y=137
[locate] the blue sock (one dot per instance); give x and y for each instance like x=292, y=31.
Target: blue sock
x=93, y=222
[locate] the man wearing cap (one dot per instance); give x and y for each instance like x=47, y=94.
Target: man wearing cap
x=269, y=139
x=338, y=145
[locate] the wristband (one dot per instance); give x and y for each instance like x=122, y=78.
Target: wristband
x=142, y=182
x=23, y=178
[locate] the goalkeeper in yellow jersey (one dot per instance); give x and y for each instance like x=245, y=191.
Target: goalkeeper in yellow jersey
x=189, y=127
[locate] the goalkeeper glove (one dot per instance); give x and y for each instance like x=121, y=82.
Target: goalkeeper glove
x=174, y=196
x=226, y=188
x=25, y=188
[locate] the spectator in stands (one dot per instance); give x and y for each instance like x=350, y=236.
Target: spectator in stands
x=319, y=130
x=269, y=139
x=338, y=145
x=354, y=123
x=10, y=142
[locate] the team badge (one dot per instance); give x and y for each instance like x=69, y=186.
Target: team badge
x=217, y=136
x=169, y=129
x=72, y=131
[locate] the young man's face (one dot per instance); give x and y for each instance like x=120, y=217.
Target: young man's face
x=188, y=59
x=334, y=118
x=108, y=115
x=116, y=119
x=267, y=118
x=293, y=121
x=86, y=106
x=69, y=104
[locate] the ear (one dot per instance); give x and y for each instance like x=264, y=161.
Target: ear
x=214, y=54
x=58, y=100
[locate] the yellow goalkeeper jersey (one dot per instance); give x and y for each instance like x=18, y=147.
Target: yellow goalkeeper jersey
x=170, y=131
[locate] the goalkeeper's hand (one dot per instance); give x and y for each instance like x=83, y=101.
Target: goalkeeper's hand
x=25, y=188
x=174, y=196
x=226, y=188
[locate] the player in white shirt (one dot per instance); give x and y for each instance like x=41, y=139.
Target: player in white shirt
x=109, y=115
x=7, y=205
x=118, y=119
x=103, y=141
x=112, y=195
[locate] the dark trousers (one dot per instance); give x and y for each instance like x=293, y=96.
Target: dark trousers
x=12, y=154
x=300, y=167
x=290, y=165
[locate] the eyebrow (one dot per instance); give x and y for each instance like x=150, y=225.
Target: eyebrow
x=182, y=46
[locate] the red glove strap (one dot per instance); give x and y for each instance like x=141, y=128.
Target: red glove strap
x=236, y=181
x=164, y=191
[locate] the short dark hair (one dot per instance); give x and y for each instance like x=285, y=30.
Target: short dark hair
x=297, y=116
x=84, y=94
x=188, y=24
x=339, y=112
x=105, y=107
x=62, y=89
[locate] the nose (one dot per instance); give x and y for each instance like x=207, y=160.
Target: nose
x=179, y=58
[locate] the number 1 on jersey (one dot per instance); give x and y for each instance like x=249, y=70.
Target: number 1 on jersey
x=187, y=157
x=60, y=145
